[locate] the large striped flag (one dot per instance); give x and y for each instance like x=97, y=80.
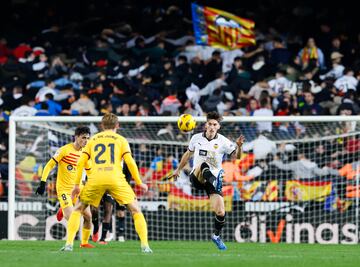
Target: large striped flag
x=221, y=29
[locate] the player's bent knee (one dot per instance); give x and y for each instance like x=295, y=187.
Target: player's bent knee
x=134, y=207
x=204, y=166
x=120, y=213
x=87, y=216
x=67, y=212
x=220, y=213
x=135, y=210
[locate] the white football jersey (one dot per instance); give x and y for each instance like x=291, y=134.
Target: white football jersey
x=346, y=83
x=210, y=151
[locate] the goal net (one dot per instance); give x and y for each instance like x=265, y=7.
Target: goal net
x=297, y=180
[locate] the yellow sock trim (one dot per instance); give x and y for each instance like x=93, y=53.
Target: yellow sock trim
x=85, y=235
x=73, y=227
x=141, y=228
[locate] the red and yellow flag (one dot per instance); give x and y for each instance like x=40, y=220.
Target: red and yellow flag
x=178, y=200
x=307, y=190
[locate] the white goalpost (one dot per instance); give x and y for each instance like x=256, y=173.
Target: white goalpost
x=297, y=181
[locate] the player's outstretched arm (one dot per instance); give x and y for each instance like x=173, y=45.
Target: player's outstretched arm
x=48, y=167
x=239, y=142
x=184, y=160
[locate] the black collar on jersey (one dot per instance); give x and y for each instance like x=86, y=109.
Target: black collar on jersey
x=204, y=135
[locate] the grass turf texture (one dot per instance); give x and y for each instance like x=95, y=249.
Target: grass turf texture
x=177, y=253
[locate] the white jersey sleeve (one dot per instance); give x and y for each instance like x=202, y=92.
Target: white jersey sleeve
x=229, y=146
x=191, y=146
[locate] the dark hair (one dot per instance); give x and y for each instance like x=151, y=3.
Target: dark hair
x=184, y=58
x=213, y=115
x=237, y=58
x=264, y=102
x=25, y=100
x=44, y=105
x=278, y=40
x=281, y=71
x=347, y=70
x=49, y=96
x=216, y=53
x=48, y=81
x=82, y=130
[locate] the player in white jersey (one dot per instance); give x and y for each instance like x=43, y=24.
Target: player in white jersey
x=208, y=149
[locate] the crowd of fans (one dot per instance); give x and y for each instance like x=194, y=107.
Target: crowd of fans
x=152, y=66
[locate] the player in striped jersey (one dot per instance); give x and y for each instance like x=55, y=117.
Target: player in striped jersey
x=67, y=158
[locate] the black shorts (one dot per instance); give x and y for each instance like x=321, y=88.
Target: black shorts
x=120, y=207
x=108, y=198
x=199, y=186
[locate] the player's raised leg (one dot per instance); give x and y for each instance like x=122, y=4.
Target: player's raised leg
x=210, y=181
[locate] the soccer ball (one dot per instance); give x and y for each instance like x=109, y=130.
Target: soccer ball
x=186, y=123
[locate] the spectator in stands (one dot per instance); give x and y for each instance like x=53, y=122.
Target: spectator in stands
x=13, y=100
x=310, y=107
x=49, y=88
x=54, y=108
x=311, y=57
x=261, y=146
x=171, y=103
x=346, y=82
x=213, y=66
x=349, y=105
x=260, y=86
x=43, y=110
x=279, y=55
x=264, y=110
x=160, y=168
x=106, y=107
x=124, y=110
x=57, y=68
x=337, y=68
x=236, y=68
x=4, y=175
x=84, y=105
x=192, y=108
x=26, y=109
x=251, y=107
x=303, y=168
x=41, y=65
x=321, y=155
x=280, y=82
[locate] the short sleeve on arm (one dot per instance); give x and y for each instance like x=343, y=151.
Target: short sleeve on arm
x=86, y=150
x=59, y=154
x=191, y=146
x=125, y=147
x=229, y=146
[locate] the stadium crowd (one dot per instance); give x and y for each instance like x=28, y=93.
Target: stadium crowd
x=108, y=60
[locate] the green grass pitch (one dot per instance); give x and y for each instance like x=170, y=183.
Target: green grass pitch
x=177, y=253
